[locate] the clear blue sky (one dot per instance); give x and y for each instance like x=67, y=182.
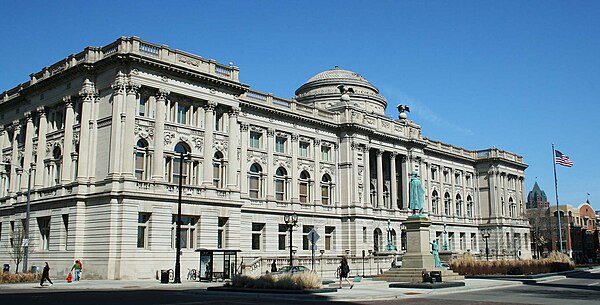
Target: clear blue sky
x=518, y=75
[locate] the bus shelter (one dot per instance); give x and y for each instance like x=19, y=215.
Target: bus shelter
x=217, y=264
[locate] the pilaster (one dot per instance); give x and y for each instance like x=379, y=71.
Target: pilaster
x=317, y=180
x=129, y=147
x=393, y=182
x=14, y=185
x=208, y=142
x=232, y=147
x=41, y=150
x=379, y=154
x=270, y=168
x=115, y=130
x=87, y=95
x=28, y=149
x=367, y=179
x=158, y=169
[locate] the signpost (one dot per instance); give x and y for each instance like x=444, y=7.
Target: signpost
x=313, y=237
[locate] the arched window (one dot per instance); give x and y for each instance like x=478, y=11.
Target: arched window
x=435, y=199
x=281, y=181
x=394, y=239
x=304, y=182
x=447, y=203
x=142, y=165
x=373, y=195
x=503, y=206
x=511, y=208
x=469, y=206
x=326, y=189
x=180, y=167
x=219, y=170
x=255, y=181
x=377, y=240
x=458, y=205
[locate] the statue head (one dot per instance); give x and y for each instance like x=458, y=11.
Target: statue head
x=414, y=175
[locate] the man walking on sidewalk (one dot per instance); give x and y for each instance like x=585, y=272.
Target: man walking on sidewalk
x=46, y=275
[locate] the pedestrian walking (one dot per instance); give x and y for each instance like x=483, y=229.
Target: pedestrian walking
x=46, y=275
x=76, y=269
x=344, y=271
x=274, y=266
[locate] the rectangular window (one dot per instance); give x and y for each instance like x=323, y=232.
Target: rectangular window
x=282, y=236
x=280, y=190
x=468, y=180
x=182, y=114
x=280, y=143
x=12, y=234
x=329, y=238
x=142, y=238
x=219, y=121
x=303, y=149
x=44, y=226
x=446, y=176
x=255, y=139
x=65, y=219
x=457, y=179
x=187, y=233
x=450, y=240
x=364, y=235
x=254, y=184
x=257, y=231
x=325, y=194
x=462, y=241
x=142, y=105
x=325, y=150
x=434, y=174
x=222, y=232
x=473, y=240
x=305, y=241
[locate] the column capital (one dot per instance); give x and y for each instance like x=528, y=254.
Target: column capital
x=118, y=86
x=366, y=148
x=28, y=116
x=68, y=102
x=393, y=155
x=161, y=94
x=244, y=126
x=379, y=152
x=210, y=105
x=234, y=111
x=295, y=137
x=132, y=88
x=317, y=142
x=270, y=132
x=355, y=146
x=87, y=92
x=41, y=111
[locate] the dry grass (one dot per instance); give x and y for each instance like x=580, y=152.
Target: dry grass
x=298, y=281
x=468, y=265
x=8, y=278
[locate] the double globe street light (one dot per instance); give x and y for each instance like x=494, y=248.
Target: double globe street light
x=291, y=220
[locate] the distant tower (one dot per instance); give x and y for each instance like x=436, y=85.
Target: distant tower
x=537, y=198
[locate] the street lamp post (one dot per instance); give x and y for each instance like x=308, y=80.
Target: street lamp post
x=370, y=256
x=486, y=236
x=321, y=261
x=182, y=155
x=291, y=220
x=515, y=245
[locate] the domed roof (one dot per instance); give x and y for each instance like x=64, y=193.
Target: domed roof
x=338, y=73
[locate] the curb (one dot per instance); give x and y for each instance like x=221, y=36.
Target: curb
x=276, y=291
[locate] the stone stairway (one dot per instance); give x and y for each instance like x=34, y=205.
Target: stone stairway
x=415, y=275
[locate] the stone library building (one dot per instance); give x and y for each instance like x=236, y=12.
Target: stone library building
x=97, y=145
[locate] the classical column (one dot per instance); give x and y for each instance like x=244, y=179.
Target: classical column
x=270, y=169
x=405, y=174
x=208, y=142
x=379, y=154
x=41, y=147
x=316, y=189
x=294, y=170
x=244, y=158
x=232, y=146
x=128, y=147
x=14, y=185
x=158, y=169
x=393, y=182
x=28, y=149
x=65, y=175
x=87, y=95
x=115, y=129
x=366, y=159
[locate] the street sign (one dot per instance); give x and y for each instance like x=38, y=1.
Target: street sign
x=314, y=247
x=313, y=236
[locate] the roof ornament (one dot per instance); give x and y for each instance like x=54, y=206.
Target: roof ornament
x=402, y=110
x=346, y=92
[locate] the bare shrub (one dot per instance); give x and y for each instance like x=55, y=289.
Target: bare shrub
x=7, y=278
x=467, y=265
x=304, y=280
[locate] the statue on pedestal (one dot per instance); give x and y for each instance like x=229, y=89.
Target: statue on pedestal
x=390, y=245
x=436, y=254
x=417, y=194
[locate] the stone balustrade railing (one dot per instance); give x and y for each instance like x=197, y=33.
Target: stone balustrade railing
x=130, y=45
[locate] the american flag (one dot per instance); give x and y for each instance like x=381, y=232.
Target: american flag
x=562, y=159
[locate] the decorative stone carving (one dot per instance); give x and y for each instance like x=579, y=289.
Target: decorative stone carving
x=188, y=60
x=210, y=105
x=76, y=138
x=132, y=88
x=270, y=132
x=317, y=142
x=355, y=146
x=198, y=143
x=244, y=126
x=234, y=111
x=169, y=136
x=145, y=132
x=295, y=137
x=220, y=145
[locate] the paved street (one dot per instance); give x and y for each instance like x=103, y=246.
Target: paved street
x=582, y=288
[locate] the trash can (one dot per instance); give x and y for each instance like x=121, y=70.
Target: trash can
x=6, y=268
x=34, y=269
x=436, y=276
x=164, y=276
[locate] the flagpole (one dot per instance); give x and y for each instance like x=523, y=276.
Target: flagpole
x=557, y=208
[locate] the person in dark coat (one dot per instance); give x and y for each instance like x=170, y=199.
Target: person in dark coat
x=344, y=271
x=274, y=266
x=46, y=275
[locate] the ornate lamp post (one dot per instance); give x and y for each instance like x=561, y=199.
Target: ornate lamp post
x=321, y=261
x=182, y=156
x=486, y=236
x=370, y=255
x=291, y=220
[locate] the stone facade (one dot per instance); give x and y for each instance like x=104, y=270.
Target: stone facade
x=101, y=132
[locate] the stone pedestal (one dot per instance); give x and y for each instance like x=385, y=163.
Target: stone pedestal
x=418, y=251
